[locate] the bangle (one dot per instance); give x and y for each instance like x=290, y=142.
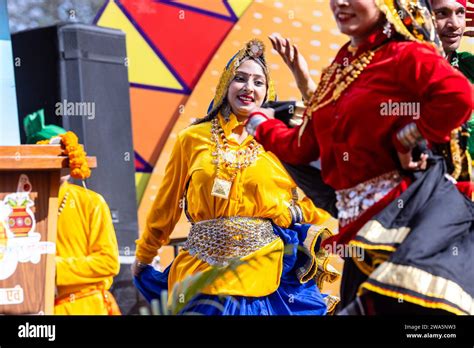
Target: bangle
x=255, y=119
x=409, y=136
x=296, y=213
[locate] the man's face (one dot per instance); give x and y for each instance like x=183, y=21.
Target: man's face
x=451, y=21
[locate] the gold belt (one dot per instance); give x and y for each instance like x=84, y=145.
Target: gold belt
x=352, y=202
x=219, y=240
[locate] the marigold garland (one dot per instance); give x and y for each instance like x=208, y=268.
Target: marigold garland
x=77, y=156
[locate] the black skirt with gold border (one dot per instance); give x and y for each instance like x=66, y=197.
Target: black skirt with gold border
x=420, y=248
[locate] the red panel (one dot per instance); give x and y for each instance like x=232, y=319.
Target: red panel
x=216, y=6
x=187, y=44
x=140, y=167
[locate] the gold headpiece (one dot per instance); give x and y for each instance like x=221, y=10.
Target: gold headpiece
x=254, y=49
x=413, y=19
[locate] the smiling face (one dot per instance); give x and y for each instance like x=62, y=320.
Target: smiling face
x=248, y=89
x=451, y=23
x=356, y=18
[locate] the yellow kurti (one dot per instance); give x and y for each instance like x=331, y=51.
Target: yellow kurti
x=87, y=252
x=262, y=190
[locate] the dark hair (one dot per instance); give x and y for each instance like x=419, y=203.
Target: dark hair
x=209, y=117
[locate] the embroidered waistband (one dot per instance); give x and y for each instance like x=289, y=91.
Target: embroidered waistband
x=110, y=303
x=352, y=202
x=219, y=240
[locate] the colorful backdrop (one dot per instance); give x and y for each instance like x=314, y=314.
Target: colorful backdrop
x=176, y=50
x=169, y=45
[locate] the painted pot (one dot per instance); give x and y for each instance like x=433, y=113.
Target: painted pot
x=20, y=222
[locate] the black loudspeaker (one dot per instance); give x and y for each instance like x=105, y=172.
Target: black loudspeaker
x=78, y=74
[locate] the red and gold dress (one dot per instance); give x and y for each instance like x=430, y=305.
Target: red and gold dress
x=352, y=137
x=356, y=129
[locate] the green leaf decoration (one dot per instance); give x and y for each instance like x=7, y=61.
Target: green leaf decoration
x=11, y=203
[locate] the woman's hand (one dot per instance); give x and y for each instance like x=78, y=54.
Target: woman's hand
x=407, y=162
x=297, y=64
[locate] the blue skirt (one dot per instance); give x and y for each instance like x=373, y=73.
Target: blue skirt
x=291, y=298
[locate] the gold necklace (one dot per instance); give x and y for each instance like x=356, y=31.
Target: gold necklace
x=343, y=79
x=457, y=154
x=352, y=49
x=232, y=160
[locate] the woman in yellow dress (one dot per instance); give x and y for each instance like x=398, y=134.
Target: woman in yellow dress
x=241, y=203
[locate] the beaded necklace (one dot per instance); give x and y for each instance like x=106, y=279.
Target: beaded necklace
x=343, y=79
x=231, y=160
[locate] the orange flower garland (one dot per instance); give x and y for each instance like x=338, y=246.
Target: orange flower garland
x=77, y=156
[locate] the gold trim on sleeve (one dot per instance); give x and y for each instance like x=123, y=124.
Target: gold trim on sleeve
x=317, y=266
x=331, y=303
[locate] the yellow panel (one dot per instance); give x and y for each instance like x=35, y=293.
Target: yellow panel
x=467, y=45
x=239, y=6
x=145, y=67
x=141, y=181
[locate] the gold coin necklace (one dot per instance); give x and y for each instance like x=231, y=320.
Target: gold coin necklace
x=231, y=160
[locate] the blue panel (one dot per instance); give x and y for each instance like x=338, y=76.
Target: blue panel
x=4, y=31
x=9, y=127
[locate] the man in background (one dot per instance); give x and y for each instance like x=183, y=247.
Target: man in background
x=86, y=244
x=451, y=26
x=451, y=21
